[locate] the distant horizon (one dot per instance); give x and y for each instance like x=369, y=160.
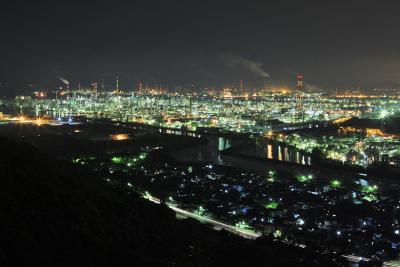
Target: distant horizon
x=31, y=87
x=342, y=44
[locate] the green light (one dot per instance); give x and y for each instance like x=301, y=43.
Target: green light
x=336, y=183
x=117, y=160
x=277, y=233
x=200, y=211
x=130, y=161
x=304, y=178
x=369, y=189
x=242, y=225
x=271, y=176
x=370, y=198
x=272, y=205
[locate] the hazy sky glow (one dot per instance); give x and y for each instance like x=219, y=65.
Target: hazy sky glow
x=333, y=43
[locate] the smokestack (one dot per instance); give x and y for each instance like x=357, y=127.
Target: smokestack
x=94, y=85
x=299, y=81
x=117, y=84
x=299, y=94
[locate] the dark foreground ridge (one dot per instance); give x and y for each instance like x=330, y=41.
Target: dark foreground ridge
x=52, y=214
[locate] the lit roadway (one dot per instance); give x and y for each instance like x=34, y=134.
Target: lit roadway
x=357, y=259
x=394, y=263
x=242, y=232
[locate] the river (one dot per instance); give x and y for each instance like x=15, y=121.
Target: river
x=211, y=152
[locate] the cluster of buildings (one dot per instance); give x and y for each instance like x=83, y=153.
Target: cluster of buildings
x=264, y=114
x=352, y=146
x=347, y=215
x=258, y=113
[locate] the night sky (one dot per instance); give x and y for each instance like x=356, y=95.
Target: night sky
x=209, y=43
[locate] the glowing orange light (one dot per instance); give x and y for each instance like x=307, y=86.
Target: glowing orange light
x=119, y=137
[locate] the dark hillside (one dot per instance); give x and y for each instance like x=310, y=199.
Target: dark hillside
x=52, y=214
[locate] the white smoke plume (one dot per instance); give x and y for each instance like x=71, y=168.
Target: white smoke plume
x=235, y=61
x=63, y=80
